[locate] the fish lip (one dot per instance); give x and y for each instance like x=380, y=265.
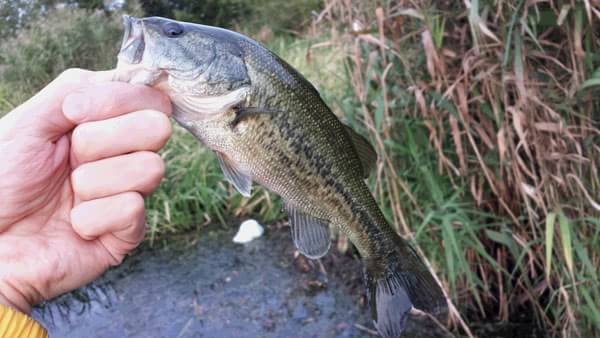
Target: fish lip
x=126, y=29
x=133, y=38
x=130, y=66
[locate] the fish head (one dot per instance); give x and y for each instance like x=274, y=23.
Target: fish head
x=200, y=67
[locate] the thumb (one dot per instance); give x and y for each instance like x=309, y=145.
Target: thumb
x=42, y=116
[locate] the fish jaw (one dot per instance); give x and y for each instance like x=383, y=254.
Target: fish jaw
x=131, y=67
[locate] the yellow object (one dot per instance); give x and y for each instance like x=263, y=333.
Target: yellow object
x=14, y=324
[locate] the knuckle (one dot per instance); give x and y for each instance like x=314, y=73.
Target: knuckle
x=165, y=103
x=161, y=125
x=116, y=259
x=79, y=224
x=111, y=103
x=80, y=145
x=153, y=166
x=78, y=177
x=134, y=206
x=154, y=117
x=73, y=75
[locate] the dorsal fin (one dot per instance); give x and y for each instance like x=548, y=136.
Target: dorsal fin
x=240, y=179
x=310, y=234
x=365, y=151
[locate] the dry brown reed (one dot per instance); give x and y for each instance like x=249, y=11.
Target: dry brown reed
x=509, y=97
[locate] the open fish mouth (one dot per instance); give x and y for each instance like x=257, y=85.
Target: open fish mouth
x=131, y=66
x=133, y=45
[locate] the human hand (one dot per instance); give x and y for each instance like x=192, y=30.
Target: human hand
x=75, y=162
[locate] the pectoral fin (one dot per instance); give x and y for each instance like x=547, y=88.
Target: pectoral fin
x=310, y=234
x=240, y=179
x=366, y=153
x=244, y=112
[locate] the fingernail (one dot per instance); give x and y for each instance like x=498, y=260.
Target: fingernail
x=74, y=107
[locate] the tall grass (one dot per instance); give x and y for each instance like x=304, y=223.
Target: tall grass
x=485, y=117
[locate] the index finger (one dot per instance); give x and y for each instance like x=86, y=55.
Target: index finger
x=102, y=100
x=42, y=115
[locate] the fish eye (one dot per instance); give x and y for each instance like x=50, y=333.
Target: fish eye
x=172, y=29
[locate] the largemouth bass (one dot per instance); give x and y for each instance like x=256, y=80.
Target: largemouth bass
x=267, y=124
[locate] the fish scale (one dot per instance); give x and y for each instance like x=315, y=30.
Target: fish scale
x=269, y=125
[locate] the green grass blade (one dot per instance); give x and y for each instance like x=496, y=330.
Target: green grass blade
x=509, y=34
x=498, y=237
x=584, y=258
x=550, y=220
x=593, y=81
x=565, y=236
x=450, y=240
x=593, y=314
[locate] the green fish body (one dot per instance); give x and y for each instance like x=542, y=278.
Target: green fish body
x=269, y=125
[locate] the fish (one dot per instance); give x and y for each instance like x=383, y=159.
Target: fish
x=268, y=125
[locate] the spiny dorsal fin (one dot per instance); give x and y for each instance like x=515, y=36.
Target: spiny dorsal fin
x=366, y=153
x=240, y=179
x=310, y=234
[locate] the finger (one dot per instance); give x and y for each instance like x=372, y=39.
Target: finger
x=42, y=114
x=137, y=131
x=122, y=213
x=117, y=221
x=140, y=171
x=104, y=76
x=100, y=101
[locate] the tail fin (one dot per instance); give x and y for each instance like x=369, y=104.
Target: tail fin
x=395, y=284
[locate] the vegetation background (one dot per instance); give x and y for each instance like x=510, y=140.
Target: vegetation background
x=485, y=115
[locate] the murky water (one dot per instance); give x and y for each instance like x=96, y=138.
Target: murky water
x=214, y=288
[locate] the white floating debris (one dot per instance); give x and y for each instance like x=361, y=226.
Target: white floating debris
x=249, y=230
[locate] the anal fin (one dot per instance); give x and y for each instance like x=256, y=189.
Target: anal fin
x=310, y=234
x=240, y=179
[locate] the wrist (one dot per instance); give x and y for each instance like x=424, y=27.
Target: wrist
x=10, y=297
